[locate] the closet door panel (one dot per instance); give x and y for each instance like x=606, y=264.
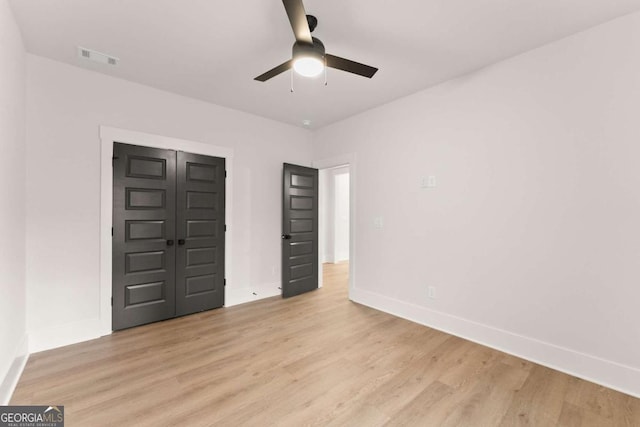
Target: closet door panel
x=144, y=199
x=200, y=230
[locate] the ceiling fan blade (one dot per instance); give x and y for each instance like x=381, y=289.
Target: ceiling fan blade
x=274, y=71
x=350, y=66
x=298, y=19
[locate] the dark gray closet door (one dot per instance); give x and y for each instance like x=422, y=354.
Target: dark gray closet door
x=200, y=223
x=143, y=235
x=299, y=230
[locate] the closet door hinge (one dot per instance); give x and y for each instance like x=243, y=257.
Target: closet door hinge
x=225, y=228
x=225, y=173
x=111, y=301
x=112, y=231
x=225, y=283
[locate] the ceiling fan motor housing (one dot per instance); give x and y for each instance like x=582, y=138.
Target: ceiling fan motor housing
x=312, y=21
x=301, y=50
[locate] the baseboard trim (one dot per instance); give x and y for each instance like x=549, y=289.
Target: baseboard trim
x=66, y=334
x=76, y=332
x=251, y=293
x=616, y=376
x=10, y=380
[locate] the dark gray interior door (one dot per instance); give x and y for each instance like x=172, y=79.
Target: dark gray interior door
x=299, y=230
x=168, y=234
x=200, y=230
x=143, y=235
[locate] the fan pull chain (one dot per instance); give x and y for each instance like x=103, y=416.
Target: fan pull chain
x=325, y=71
x=292, y=81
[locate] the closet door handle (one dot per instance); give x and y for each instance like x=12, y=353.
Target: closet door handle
x=286, y=236
x=169, y=242
x=181, y=241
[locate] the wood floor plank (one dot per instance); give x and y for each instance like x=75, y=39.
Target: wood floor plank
x=489, y=399
x=610, y=407
x=317, y=359
x=421, y=407
x=539, y=401
x=571, y=416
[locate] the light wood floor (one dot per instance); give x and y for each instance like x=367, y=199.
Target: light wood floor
x=316, y=359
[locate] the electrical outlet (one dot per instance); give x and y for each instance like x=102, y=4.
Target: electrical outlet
x=431, y=292
x=378, y=222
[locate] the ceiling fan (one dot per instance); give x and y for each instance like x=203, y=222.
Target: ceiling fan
x=309, y=58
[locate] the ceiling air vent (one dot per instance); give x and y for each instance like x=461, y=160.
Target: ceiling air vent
x=95, y=56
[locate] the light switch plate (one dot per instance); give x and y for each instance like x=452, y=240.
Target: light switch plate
x=428, y=181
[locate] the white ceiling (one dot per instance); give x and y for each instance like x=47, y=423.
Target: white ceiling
x=212, y=49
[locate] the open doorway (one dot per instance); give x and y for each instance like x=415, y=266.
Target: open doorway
x=334, y=225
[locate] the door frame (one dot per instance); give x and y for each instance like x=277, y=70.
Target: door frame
x=109, y=135
x=330, y=163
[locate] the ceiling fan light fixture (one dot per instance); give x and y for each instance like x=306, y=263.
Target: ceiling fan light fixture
x=308, y=66
x=308, y=59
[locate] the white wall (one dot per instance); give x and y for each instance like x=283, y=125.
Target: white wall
x=326, y=199
x=12, y=202
x=532, y=235
x=65, y=107
x=341, y=214
x=334, y=233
